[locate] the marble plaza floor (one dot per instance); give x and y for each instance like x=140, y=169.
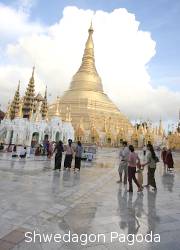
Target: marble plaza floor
x=33, y=197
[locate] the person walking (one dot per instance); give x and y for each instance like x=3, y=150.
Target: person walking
x=14, y=152
x=123, y=166
x=169, y=160
x=163, y=156
x=59, y=149
x=50, y=150
x=133, y=160
x=69, y=155
x=151, y=163
x=78, y=155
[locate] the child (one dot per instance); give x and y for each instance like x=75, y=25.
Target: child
x=140, y=174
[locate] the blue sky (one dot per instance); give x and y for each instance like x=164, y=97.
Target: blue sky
x=160, y=17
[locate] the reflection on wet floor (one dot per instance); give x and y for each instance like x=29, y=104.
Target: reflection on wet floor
x=34, y=196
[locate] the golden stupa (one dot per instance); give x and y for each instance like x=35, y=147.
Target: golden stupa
x=94, y=116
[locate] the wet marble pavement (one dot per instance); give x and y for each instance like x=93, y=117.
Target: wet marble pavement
x=33, y=197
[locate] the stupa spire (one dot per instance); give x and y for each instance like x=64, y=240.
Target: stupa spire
x=160, y=130
x=15, y=105
x=44, y=107
x=57, y=108
x=88, y=61
x=87, y=71
x=28, y=104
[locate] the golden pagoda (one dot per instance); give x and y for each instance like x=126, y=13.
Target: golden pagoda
x=15, y=105
x=88, y=100
x=28, y=102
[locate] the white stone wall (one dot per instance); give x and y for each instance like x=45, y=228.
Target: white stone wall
x=20, y=130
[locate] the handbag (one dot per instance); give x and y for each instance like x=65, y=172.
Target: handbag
x=156, y=159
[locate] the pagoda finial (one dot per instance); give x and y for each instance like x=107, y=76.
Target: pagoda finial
x=44, y=107
x=19, y=85
x=160, y=131
x=33, y=71
x=28, y=104
x=57, y=107
x=68, y=114
x=15, y=105
x=91, y=28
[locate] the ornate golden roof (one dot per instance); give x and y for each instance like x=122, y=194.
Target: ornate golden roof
x=86, y=96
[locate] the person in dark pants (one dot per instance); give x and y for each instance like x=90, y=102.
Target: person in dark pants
x=133, y=159
x=163, y=156
x=69, y=155
x=151, y=163
x=78, y=155
x=169, y=160
x=14, y=152
x=59, y=149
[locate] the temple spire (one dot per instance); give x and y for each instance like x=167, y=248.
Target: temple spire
x=57, y=108
x=87, y=71
x=88, y=61
x=160, y=130
x=15, y=105
x=28, y=104
x=44, y=107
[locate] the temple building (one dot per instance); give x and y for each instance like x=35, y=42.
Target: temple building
x=95, y=118
x=26, y=120
x=144, y=132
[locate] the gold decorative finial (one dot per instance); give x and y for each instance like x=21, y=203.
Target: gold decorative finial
x=160, y=130
x=68, y=114
x=19, y=85
x=29, y=98
x=44, y=106
x=33, y=71
x=91, y=28
x=15, y=105
x=57, y=107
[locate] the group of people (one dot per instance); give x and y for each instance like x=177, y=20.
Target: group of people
x=59, y=148
x=70, y=152
x=167, y=158
x=130, y=165
x=22, y=153
x=45, y=149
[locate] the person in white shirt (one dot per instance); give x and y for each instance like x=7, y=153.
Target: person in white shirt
x=23, y=152
x=123, y=166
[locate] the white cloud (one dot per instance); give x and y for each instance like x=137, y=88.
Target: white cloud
x=122, y=53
